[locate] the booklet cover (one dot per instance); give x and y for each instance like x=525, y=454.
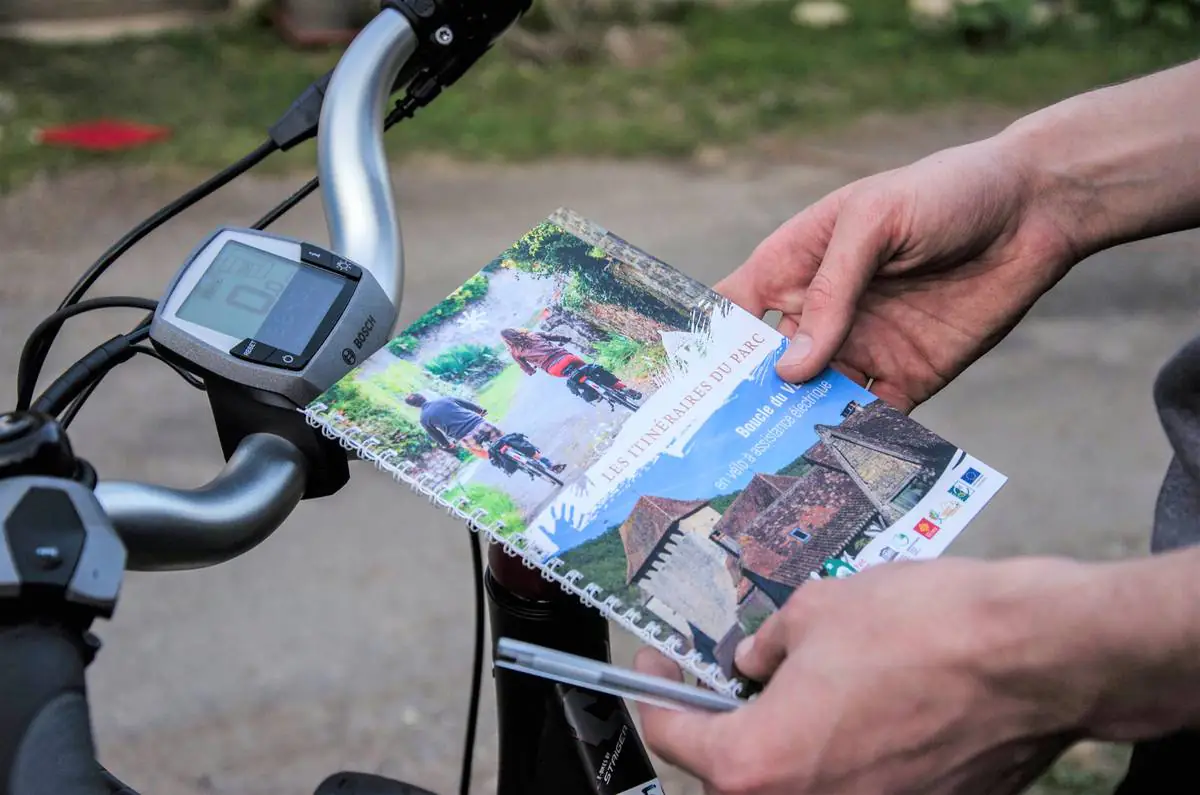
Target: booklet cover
x=622, y=427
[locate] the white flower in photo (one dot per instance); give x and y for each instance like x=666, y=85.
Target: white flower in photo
x=472, y=320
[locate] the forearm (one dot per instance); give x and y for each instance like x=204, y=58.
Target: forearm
x=1152, y=640
x=1113, y=648
x=1119, y=163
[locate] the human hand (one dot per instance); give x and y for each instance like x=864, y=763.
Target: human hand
x=908, y=276
x=947, y=677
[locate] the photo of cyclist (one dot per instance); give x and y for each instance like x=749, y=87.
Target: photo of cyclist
x=535, y=350
x=452, y=421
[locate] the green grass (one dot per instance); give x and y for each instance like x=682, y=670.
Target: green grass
x=390, y=387
x=497, y=396
x=740, y=73
x=498, y=505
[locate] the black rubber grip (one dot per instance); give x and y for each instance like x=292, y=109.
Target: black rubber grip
x=46, y=743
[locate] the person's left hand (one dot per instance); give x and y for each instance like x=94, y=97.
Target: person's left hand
x=946, y=677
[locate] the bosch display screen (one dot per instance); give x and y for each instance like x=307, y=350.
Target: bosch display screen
x=248, y=293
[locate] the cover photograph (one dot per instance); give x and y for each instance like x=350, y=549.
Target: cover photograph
x=621, y=425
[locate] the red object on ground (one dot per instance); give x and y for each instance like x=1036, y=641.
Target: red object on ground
x=102, y=135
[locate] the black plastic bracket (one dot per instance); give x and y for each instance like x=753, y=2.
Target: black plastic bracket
x=240, y=412
x=452, y=35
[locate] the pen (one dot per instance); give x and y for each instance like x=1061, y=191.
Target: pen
x=595, y=675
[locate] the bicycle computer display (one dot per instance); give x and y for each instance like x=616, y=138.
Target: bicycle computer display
x=249, y=293
x=272, y=313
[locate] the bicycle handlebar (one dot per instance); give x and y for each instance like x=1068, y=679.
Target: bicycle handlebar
x=360, y=208
x=166, y=529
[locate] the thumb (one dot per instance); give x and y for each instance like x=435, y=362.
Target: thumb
x=860, y=243
x=758, y=655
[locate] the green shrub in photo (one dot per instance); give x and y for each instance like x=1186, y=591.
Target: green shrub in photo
x=405, y=343
x=630, y=358
x=497, y=505
x=470, y=363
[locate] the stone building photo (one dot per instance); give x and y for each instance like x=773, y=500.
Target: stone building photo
x=728, y=562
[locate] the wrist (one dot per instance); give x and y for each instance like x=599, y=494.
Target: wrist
x=1038, y=652
x=1060, y=189
x=1115, y=164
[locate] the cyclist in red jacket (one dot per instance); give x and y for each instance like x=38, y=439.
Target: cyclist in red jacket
x=535, y=350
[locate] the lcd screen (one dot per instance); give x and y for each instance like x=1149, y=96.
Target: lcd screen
x=248, y=293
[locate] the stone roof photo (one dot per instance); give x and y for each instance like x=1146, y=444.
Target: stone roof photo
x=644, y=533
x=880, y=421
x=760, y=492
x=827, y=505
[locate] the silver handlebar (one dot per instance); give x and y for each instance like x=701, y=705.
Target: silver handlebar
x=355, y=180
x=264, y=479
x=165, y=529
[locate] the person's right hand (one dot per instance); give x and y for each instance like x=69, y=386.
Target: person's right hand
x=908, y=276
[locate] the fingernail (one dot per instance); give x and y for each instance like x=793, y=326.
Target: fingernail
x=796, y=350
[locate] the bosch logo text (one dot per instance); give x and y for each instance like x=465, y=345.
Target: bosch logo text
x=364, y=333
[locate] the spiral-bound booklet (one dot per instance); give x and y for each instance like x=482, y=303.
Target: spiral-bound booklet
x=621, y=426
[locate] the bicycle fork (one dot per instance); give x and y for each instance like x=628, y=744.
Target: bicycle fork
x=557, y=739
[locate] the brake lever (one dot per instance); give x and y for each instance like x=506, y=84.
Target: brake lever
x=453, y=34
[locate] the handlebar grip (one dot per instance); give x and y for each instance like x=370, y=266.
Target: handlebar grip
x=46, y=745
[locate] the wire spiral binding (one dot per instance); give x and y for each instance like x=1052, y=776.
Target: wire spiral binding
x=652, y=633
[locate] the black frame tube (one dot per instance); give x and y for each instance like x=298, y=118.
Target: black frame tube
x=557, y=739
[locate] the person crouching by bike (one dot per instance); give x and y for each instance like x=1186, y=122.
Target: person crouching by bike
x=452, y=421
x=534, y=350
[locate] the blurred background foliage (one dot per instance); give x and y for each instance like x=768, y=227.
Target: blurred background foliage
x=605, y=77
x=616, y=78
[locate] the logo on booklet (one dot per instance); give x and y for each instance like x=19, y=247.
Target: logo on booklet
x=947, y=509
x=961, y=490
x=887, y=553
x=902, y=540
x=972, y=476
x=927, y=528
x=838, y=568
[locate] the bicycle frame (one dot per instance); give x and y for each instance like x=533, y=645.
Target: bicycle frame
x=555, y=738
x=528, y=465
x=607, y=393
